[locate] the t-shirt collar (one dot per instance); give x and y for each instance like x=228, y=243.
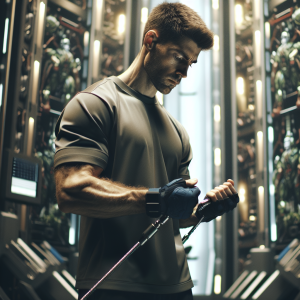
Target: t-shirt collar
x=132, y=92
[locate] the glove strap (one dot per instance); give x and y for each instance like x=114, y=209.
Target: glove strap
x=153, y=203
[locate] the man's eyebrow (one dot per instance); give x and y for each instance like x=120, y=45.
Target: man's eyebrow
x=185, y=56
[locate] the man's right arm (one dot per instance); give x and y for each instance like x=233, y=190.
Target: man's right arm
x=80, y=190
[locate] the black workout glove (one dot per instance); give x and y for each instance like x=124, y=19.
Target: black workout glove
x=210, y=210
x=176, y=199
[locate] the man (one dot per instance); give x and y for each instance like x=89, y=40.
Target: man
x=114, y=142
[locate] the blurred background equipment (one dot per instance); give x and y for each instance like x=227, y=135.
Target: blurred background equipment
x=247, y=91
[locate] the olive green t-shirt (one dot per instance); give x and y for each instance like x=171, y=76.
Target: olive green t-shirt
x=136, y=142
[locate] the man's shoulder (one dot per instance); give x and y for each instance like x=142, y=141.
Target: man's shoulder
x=104, y=89
x=105, y=83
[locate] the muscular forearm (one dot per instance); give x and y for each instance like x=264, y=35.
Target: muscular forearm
x=85, y=194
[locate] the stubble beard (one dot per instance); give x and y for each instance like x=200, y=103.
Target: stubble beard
x=154, y=75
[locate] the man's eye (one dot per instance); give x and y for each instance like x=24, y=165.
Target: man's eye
x=180, y=58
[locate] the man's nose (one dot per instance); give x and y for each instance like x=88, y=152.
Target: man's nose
x=182, y=71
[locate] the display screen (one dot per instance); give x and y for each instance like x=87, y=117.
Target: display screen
x=24, y=177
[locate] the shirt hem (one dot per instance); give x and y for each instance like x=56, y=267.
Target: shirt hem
x=136, y=287
x=84, y=155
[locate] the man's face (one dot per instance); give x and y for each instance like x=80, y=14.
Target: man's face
x=167, y=63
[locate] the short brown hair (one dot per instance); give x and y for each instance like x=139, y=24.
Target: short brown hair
x=173, y=20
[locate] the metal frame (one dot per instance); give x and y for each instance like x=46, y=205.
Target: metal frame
x=260, y=125
x=5, y=90
x=230, y=243
x=127, y=43
x=31, y=108
x=135, y=44
x=14, y=82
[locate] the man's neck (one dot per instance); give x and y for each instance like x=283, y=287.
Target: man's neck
x=137, y=78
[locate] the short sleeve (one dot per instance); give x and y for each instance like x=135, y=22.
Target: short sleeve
x=187, y=155
x=83, y=130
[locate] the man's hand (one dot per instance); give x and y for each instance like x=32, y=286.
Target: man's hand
x=178, y=198
x=223, y=199
x=191, y=182
x=222, y=192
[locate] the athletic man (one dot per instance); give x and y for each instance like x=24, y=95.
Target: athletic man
x=114, y=142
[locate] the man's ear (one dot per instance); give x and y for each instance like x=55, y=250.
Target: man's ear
x=150, y=39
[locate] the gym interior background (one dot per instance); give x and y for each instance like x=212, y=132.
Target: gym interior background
x=240, y=106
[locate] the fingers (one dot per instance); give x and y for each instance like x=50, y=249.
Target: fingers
x=191, y=182
x=230, y=181
x=226, y=190
x=214, y=195
x=222, y=192
x=230, y=186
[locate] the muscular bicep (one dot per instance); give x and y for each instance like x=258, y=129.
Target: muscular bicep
x=72, y=177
